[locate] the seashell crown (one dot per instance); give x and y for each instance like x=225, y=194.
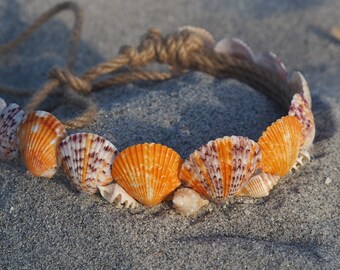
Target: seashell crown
x=150, y=173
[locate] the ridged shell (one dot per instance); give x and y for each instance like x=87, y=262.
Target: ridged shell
x=300, y=85
x=235, y=48
x=273, y=63
x=219, y=168
x=280, y=145
x=87, y=161
x=10, y=118
x=148, y=172
x=259, y=185
x=114, y=193
x=39, y=136
x=299, y=108
x=188, y=202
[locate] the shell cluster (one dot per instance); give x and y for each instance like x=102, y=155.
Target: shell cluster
x=150, y=173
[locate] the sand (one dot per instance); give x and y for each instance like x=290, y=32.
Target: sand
x=45, y=225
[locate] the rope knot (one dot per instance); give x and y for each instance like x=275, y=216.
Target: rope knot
x=66, y=77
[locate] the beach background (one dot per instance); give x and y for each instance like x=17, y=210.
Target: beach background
x=45, y=225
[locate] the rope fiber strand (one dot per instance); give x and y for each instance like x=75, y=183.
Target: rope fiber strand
x=181, y=51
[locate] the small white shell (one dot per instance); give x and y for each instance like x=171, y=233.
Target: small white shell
x=273, y=63
x=235, y=48
x=10, y=118
x=259, y=185
x=114, y=193
x=188, y=202
x=300, y=85
x=302, y=158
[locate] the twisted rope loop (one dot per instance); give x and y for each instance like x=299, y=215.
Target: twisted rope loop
x=186, y=49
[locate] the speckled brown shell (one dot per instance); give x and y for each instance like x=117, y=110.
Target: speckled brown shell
x=219, y=168
x=87, y=161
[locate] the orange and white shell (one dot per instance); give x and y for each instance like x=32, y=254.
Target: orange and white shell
x=39, y=136
x=188, y=202
x=87, y=161
x=300, y=108
x=220, y=168
x=148, y=172
x=259, y=185
x=280, y=144
x=114, y=193
x=10, y=118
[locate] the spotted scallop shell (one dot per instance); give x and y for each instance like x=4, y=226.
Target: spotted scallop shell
x=39, y=136
x=148, y=172
x=188, y=202
x=280, y=145
x=300, y=108
x=220, y=168
x=10, y=118
x=87, y=161
x=259, y=185
x=299, y=84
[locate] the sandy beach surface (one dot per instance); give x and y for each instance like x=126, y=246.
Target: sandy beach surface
x=45, y=225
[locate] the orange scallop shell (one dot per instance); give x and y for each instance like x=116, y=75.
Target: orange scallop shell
x=39, y=136
x=148, y=172
x=221, y=167
x=280, y=145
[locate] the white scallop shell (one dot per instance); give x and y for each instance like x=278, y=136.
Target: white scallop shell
x=235, y=48
x=10, y=118
x=300, y=85
x=259, y=185
x=2, y=104
x=188, y=202
x=114, y=193
x=87, y=159
x=273, y=63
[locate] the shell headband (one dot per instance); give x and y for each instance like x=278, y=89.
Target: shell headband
x=150, y=173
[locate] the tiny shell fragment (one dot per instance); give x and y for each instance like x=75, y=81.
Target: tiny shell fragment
x=188, y=202
x=39, y=136
x=10, y=118
x=114, y=193
x=87, y=161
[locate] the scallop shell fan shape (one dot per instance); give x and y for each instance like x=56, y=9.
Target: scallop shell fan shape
x=280, y=145
x=87, y=161
x=39, y=136
x=148, y=172
x=220, y=168
x=10, y=118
